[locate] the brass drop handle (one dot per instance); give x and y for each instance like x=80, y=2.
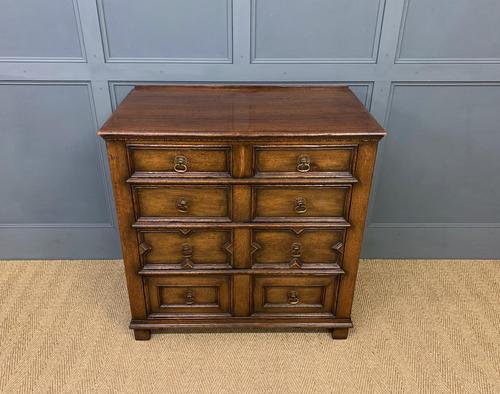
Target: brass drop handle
x=293, y=298
x=300, y=205
x=296, y=250
x=180, y=163
x=187, y=250
x=187, y=254
x=304, y=163
x=182, y=205
x=189, y=297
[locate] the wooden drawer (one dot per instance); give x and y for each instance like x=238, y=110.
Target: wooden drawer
x=179, y=160
x=188, y=295
x=186, y=248
x=183, y=203
x=309, y=160
x=297, y=248
x=300, y=203
x=294, y=294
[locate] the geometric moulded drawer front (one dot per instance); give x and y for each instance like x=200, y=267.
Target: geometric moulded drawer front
x=297, y=248
x=171, y=160
x=294, y=294
x=300, y=203
x=183, y=202
x=188, y=295
x=304, y=161
x=186, y=248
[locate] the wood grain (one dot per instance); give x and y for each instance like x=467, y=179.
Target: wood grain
x=241, y=111
x=160, y=160
x=304, y=161
x=241, y=206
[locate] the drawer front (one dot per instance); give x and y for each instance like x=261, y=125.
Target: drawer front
x=188, y=295
x=278, y=295
x=186, y=248
x=304, y=160
x=183, y=202
x=297, y=248
x=296, y=203
x=181, y=160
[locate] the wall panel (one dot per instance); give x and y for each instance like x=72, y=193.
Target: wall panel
x=318, y=31
x=38, y=31
x=439, y=154
x=429, y=71
x=52, y=164
x=167, y=31
x=443, y=31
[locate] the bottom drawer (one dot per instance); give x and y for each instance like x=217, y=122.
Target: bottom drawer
x=294, y=295
x=188, y=295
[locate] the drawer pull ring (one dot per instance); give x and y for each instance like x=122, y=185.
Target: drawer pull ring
x=296, y=249
x=293, y=298
x=296, y=252
x=303, y=163
x=182, y=205
x=189, y=297
x=187, y=254
x=180, y=164
x=300, y=205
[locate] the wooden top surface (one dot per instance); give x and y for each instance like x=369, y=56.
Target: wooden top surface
x=241, y=111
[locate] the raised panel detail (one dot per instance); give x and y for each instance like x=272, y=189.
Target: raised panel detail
x=300, y=203
x=179, y=160
x=186, y=248
x=294, y=295
x=183, y=202
x=319, y=31
x=40, y=31
x=297, y=248
x=438, y=31
x=188, y=295
x=304, y=161
x=439, y=165
x=196, y=31
x=51, y=165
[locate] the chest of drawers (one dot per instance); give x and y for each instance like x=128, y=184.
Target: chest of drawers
x=241, y=206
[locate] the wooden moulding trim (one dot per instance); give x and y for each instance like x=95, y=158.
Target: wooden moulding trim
x=253, y=271
x=241, y=322
x=146, y=224
x=235, y=135
x=134, y=179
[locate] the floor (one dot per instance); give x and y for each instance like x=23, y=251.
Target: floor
x=420, y=327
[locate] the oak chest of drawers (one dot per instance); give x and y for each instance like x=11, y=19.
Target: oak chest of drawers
x=241, y=206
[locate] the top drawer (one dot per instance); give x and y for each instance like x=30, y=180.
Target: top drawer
x=305, y=160
x=179, y=160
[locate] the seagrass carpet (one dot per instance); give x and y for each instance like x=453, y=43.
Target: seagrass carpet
x=420, y=327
